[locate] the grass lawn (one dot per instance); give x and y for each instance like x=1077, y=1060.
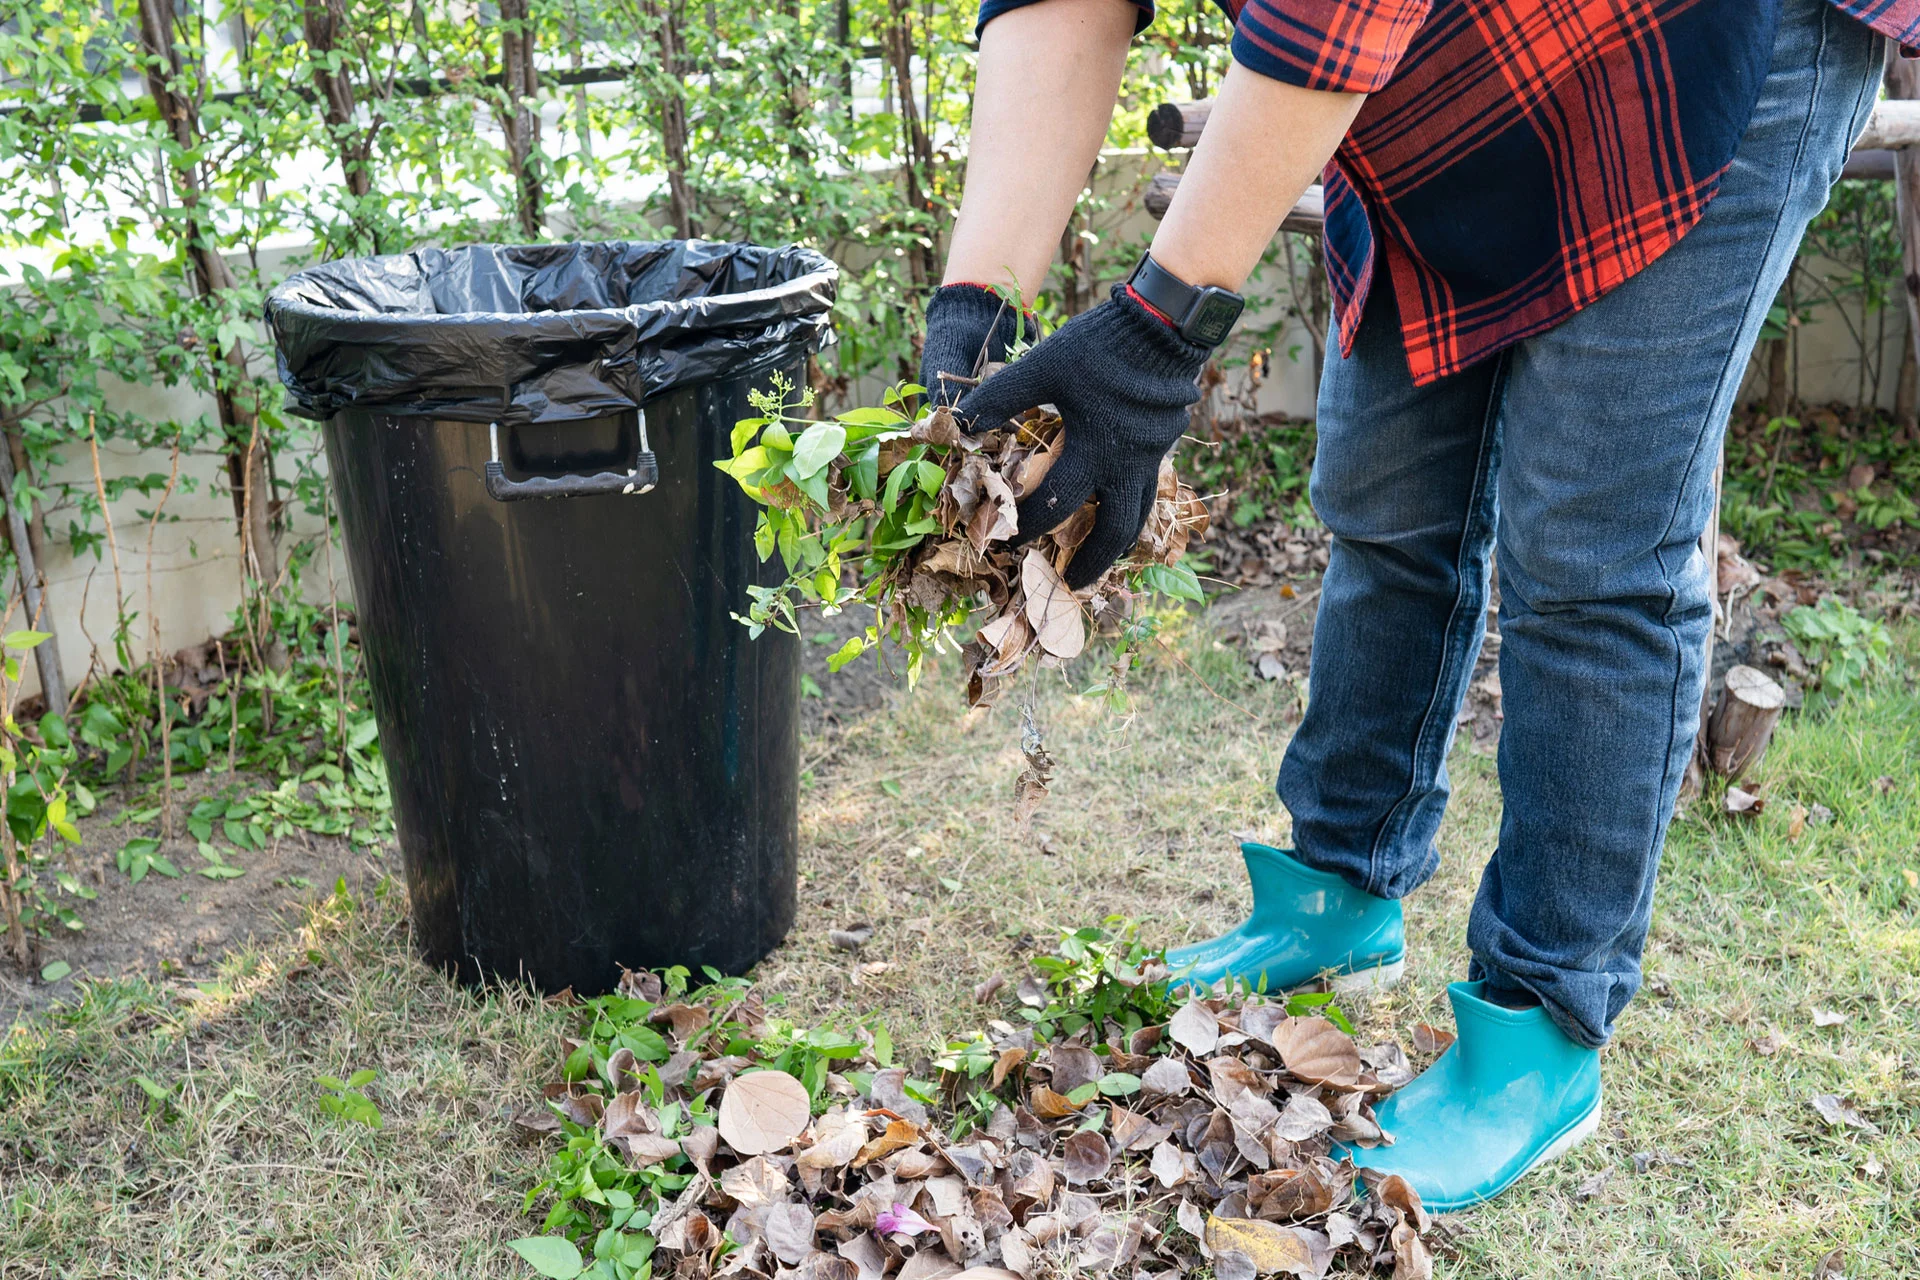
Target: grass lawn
x=1711, y=1162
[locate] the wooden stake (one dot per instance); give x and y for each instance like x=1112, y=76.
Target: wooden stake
x=1742, y=723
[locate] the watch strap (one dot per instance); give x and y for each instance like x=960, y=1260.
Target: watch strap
x=1177, y=300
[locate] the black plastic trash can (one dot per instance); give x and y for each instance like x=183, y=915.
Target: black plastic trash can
x=592, y=764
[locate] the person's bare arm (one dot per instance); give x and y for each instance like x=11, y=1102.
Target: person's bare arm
x=1048, y=79
x=1264, y=145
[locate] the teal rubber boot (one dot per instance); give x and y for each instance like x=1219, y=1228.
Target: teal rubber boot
x=1512, y=1093
x=1304, y=923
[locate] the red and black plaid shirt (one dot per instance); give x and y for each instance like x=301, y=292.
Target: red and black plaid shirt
x=1516, y=159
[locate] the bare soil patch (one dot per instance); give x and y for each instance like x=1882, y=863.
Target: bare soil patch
x=180, y=927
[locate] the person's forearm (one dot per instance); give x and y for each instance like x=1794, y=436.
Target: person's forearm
x=1048, y=79
x=1265, y=143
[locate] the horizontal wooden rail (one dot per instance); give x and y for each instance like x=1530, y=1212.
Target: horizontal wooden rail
x=1307, y=215
x=1894, y=124
x=1176, y=126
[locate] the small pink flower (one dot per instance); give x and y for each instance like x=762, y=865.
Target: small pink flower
x=901, y=1220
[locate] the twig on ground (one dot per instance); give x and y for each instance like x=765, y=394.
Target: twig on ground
x=1174, y=654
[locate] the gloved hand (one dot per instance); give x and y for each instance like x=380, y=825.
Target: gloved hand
x=962, y=320
x=1123, y=380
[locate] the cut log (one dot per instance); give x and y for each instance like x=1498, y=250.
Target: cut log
x=1744, y=721
x=1178, y=124
x=1307, y=216
x=1894, y=124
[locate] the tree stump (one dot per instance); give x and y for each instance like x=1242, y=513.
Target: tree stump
x=1743, y=721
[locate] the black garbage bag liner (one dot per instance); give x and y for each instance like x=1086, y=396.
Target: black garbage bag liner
x=541, y=333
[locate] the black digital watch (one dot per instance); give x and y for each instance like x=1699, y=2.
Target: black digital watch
x=1204, y=314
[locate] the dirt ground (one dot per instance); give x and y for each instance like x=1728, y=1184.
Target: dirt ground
x=180, y=927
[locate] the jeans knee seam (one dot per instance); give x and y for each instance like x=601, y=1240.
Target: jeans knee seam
x=1423, y=739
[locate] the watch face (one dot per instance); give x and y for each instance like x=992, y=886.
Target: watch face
x=1213, y=319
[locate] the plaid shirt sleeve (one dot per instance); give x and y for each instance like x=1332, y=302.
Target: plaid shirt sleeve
x=1341, y=46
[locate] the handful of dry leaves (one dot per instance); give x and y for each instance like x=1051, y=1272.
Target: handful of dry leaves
x=912, y=516
x=1205, y=1140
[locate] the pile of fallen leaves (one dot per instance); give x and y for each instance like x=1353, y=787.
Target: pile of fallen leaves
x=904, y=512
x=713, y=1140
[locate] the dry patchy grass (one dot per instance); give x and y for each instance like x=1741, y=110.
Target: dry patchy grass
x=1713, y=1162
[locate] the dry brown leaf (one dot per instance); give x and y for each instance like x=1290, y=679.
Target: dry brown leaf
x=1051, y=608
x=866, y=1254
x=1274, y=1249
x=1167, y=1076
x=756, y=1182
x=1429, y=1039
x=1167, y=1166
x=1304, y=1116
x=899, y=1135
x=1133, y=1131
x=1007, y=1061
x=763, y=1111
x=1836, y=1110
x=995, y=519
x=928, y=1264
x=788, y=1229
x=1317, y=1051
x=1288, y=1195
x=1087, y=1157
x=1397, y=1193
x=1049, y=1104
x=646, y=1149
x=1195, y=1029
x=1411, y=1258
x=1072, y=1066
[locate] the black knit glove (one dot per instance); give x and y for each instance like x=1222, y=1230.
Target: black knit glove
x=1123, y=381
x=963, y=320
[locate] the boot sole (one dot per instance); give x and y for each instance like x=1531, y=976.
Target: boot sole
x=1363, y=982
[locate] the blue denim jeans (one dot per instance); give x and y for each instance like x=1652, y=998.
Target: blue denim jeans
x=1585, y=458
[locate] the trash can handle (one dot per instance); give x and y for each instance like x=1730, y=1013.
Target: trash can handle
x=641, y=479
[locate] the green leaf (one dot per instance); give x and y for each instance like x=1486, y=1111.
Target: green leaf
x=1118, y=1084
x=153, y=1089
x=163, y=866
x=1084, y=1094
x=814, y=486
x=870, y=417
x=743, y=431
x=362, y=1078
x=932, y=476
x=896, y=484
x=55, y=971
x=549, y=1255
x=220, y=871
x=818, y=445
x=1175, y=580
x=24, y=639
x=846, y=653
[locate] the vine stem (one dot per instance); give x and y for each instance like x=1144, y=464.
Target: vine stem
x=16, y=928
x=159, y=662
